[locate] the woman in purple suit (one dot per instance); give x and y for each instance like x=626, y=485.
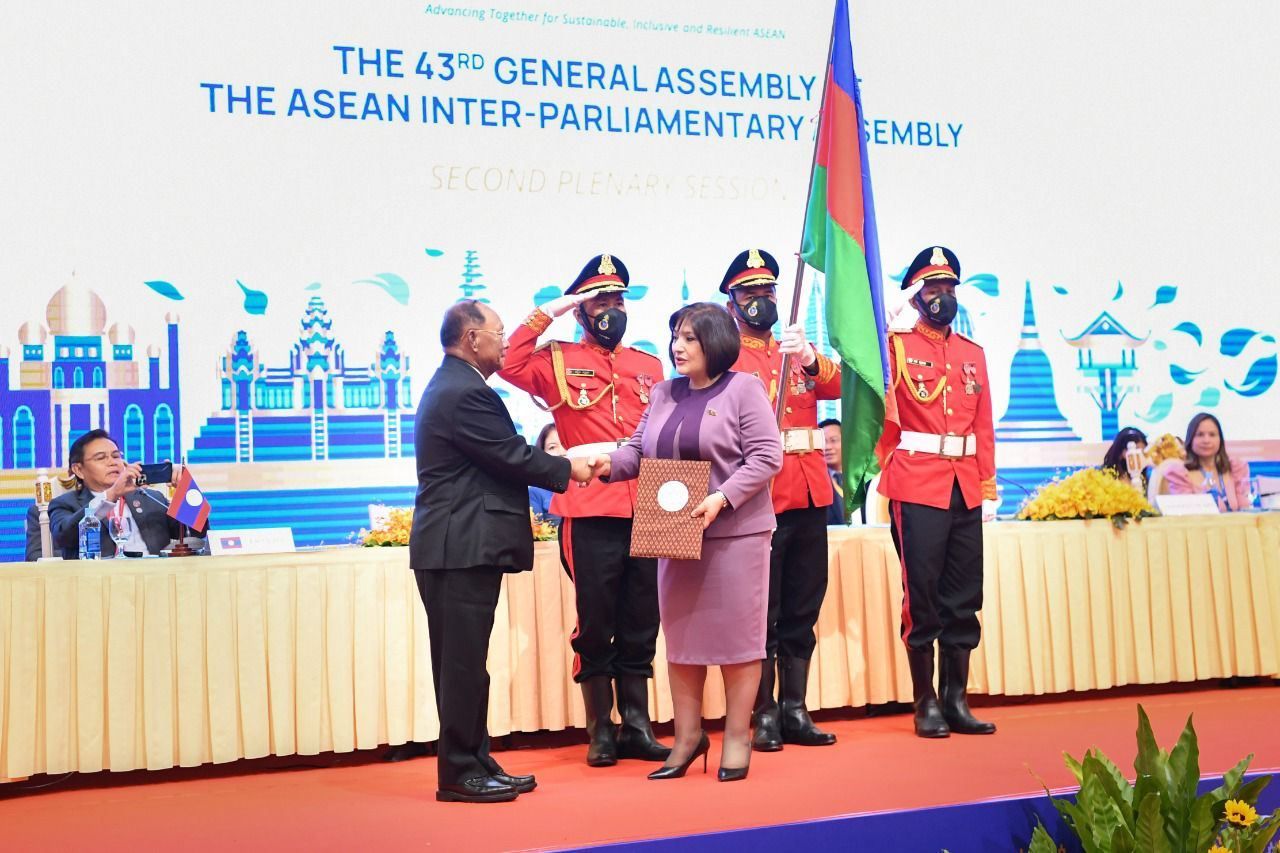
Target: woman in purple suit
x=713, y=609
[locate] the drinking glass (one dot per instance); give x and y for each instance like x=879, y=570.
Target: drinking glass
x=120, y=527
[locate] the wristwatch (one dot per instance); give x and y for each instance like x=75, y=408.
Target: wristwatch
x=723, y=500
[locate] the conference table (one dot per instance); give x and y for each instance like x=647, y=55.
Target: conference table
x=121, y=665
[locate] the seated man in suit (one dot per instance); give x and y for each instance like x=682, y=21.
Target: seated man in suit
x=103, y=477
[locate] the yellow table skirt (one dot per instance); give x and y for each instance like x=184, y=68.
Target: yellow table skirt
x=160, y=663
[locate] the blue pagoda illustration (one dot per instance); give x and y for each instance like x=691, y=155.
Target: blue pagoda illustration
x=470, y=277
x=76, y=374
x=1033, y=413
x=1106, y=354
x=317, y=407
x=815, y=329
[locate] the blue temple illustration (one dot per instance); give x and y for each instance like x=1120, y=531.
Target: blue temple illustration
x=76, y=374
x=1106, y=355
x=318, y=406
x=1032, y=413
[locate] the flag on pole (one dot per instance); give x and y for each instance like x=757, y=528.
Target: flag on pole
x=188, y=505
x=840, y=241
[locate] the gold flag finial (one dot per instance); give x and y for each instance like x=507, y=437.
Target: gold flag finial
x=754, y=261
x=606, y=266
x=938, y=259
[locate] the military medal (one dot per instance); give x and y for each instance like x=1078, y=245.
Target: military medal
x=583, y=398
x=922, y=392
x=970, y=371
x=644, y=382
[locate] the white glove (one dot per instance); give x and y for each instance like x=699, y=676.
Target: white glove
x=563, y=304
x=895, y=317
x=793, y=343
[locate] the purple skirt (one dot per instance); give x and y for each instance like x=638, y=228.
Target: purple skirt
x=714, y=609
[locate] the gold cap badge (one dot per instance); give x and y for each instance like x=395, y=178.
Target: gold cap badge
x=938, y=259
x=754, y=261
x=606, y=266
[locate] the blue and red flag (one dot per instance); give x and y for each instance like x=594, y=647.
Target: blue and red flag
x=188, y=505
x=840, y=240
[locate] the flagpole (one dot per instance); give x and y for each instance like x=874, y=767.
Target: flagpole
x=784, y=375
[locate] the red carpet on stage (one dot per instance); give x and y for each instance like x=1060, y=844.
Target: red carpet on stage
x=367, y=804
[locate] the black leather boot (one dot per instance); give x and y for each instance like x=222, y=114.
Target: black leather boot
x=597, y=699
x=635, y=737
x=797, y=727
x=768, y=731
x=929, y=721
x=953, y=679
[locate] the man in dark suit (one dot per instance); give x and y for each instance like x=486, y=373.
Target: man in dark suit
x=470, y=525
x=103, y=477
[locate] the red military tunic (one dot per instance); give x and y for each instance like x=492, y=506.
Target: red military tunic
x=939, y=387
x=596, y=395
x=804, y=475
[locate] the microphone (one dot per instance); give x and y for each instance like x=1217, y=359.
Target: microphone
x=1015, y=484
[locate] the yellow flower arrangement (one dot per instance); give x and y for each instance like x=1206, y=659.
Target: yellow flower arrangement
x=1217, y=848
x=543, y=530
x=1088, y=493
x=1167, y=446
x=1241, y=813
x=394, y=529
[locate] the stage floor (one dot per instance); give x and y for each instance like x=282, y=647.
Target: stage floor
x=362, y=803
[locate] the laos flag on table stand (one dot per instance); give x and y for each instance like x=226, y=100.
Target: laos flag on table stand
x=189, y=505
x=840, y=240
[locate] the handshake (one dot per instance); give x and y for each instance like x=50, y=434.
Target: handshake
x=586, y=468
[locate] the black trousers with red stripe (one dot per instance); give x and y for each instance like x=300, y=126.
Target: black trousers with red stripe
x=616, y=595
x=941, y=555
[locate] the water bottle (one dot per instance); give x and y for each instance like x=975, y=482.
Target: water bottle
x=90, y=537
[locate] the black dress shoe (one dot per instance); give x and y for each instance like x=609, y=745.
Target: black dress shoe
x=406, y=751
x=522, y=784
x=482, y=789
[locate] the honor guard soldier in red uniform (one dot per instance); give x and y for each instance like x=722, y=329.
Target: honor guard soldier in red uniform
x=938, y=465
x=597, y=390
x=801, y=495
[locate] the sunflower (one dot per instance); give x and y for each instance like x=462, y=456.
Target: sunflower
x=1241, y=813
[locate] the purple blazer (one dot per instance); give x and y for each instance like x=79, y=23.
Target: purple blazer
x=732, y=426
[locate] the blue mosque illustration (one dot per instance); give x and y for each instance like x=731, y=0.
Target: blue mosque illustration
x=1106, y=355
x=75, y=375
x=317, y=407
x=1032, y=414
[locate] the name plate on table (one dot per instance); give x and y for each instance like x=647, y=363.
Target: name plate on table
x=667, y=491
x=253, y=540
x=1197, y=504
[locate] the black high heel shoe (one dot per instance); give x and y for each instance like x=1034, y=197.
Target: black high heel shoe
x=734, y=774
x=678, y=770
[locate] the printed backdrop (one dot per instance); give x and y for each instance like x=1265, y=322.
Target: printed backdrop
x=230, y=229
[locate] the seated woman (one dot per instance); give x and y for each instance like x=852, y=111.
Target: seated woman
x=1209, y=469
x=540, y=498
x=713, y=609
x=1165, y=453
x=1117, y=458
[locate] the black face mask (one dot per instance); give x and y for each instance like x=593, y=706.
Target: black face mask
x=607, y=327
x=941, y=309
x=760, y=312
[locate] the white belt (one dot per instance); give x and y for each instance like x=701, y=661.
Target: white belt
x=584, y=451
x=802, y=440
x=947, y=446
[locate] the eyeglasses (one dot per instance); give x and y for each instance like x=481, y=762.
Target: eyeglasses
x=501, y=333
x=104, y=456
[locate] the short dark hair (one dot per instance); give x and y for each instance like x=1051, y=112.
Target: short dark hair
x=462, y=315
x=76, y=453
x=1220, y=460
x=714, y=330
x=835, y=422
